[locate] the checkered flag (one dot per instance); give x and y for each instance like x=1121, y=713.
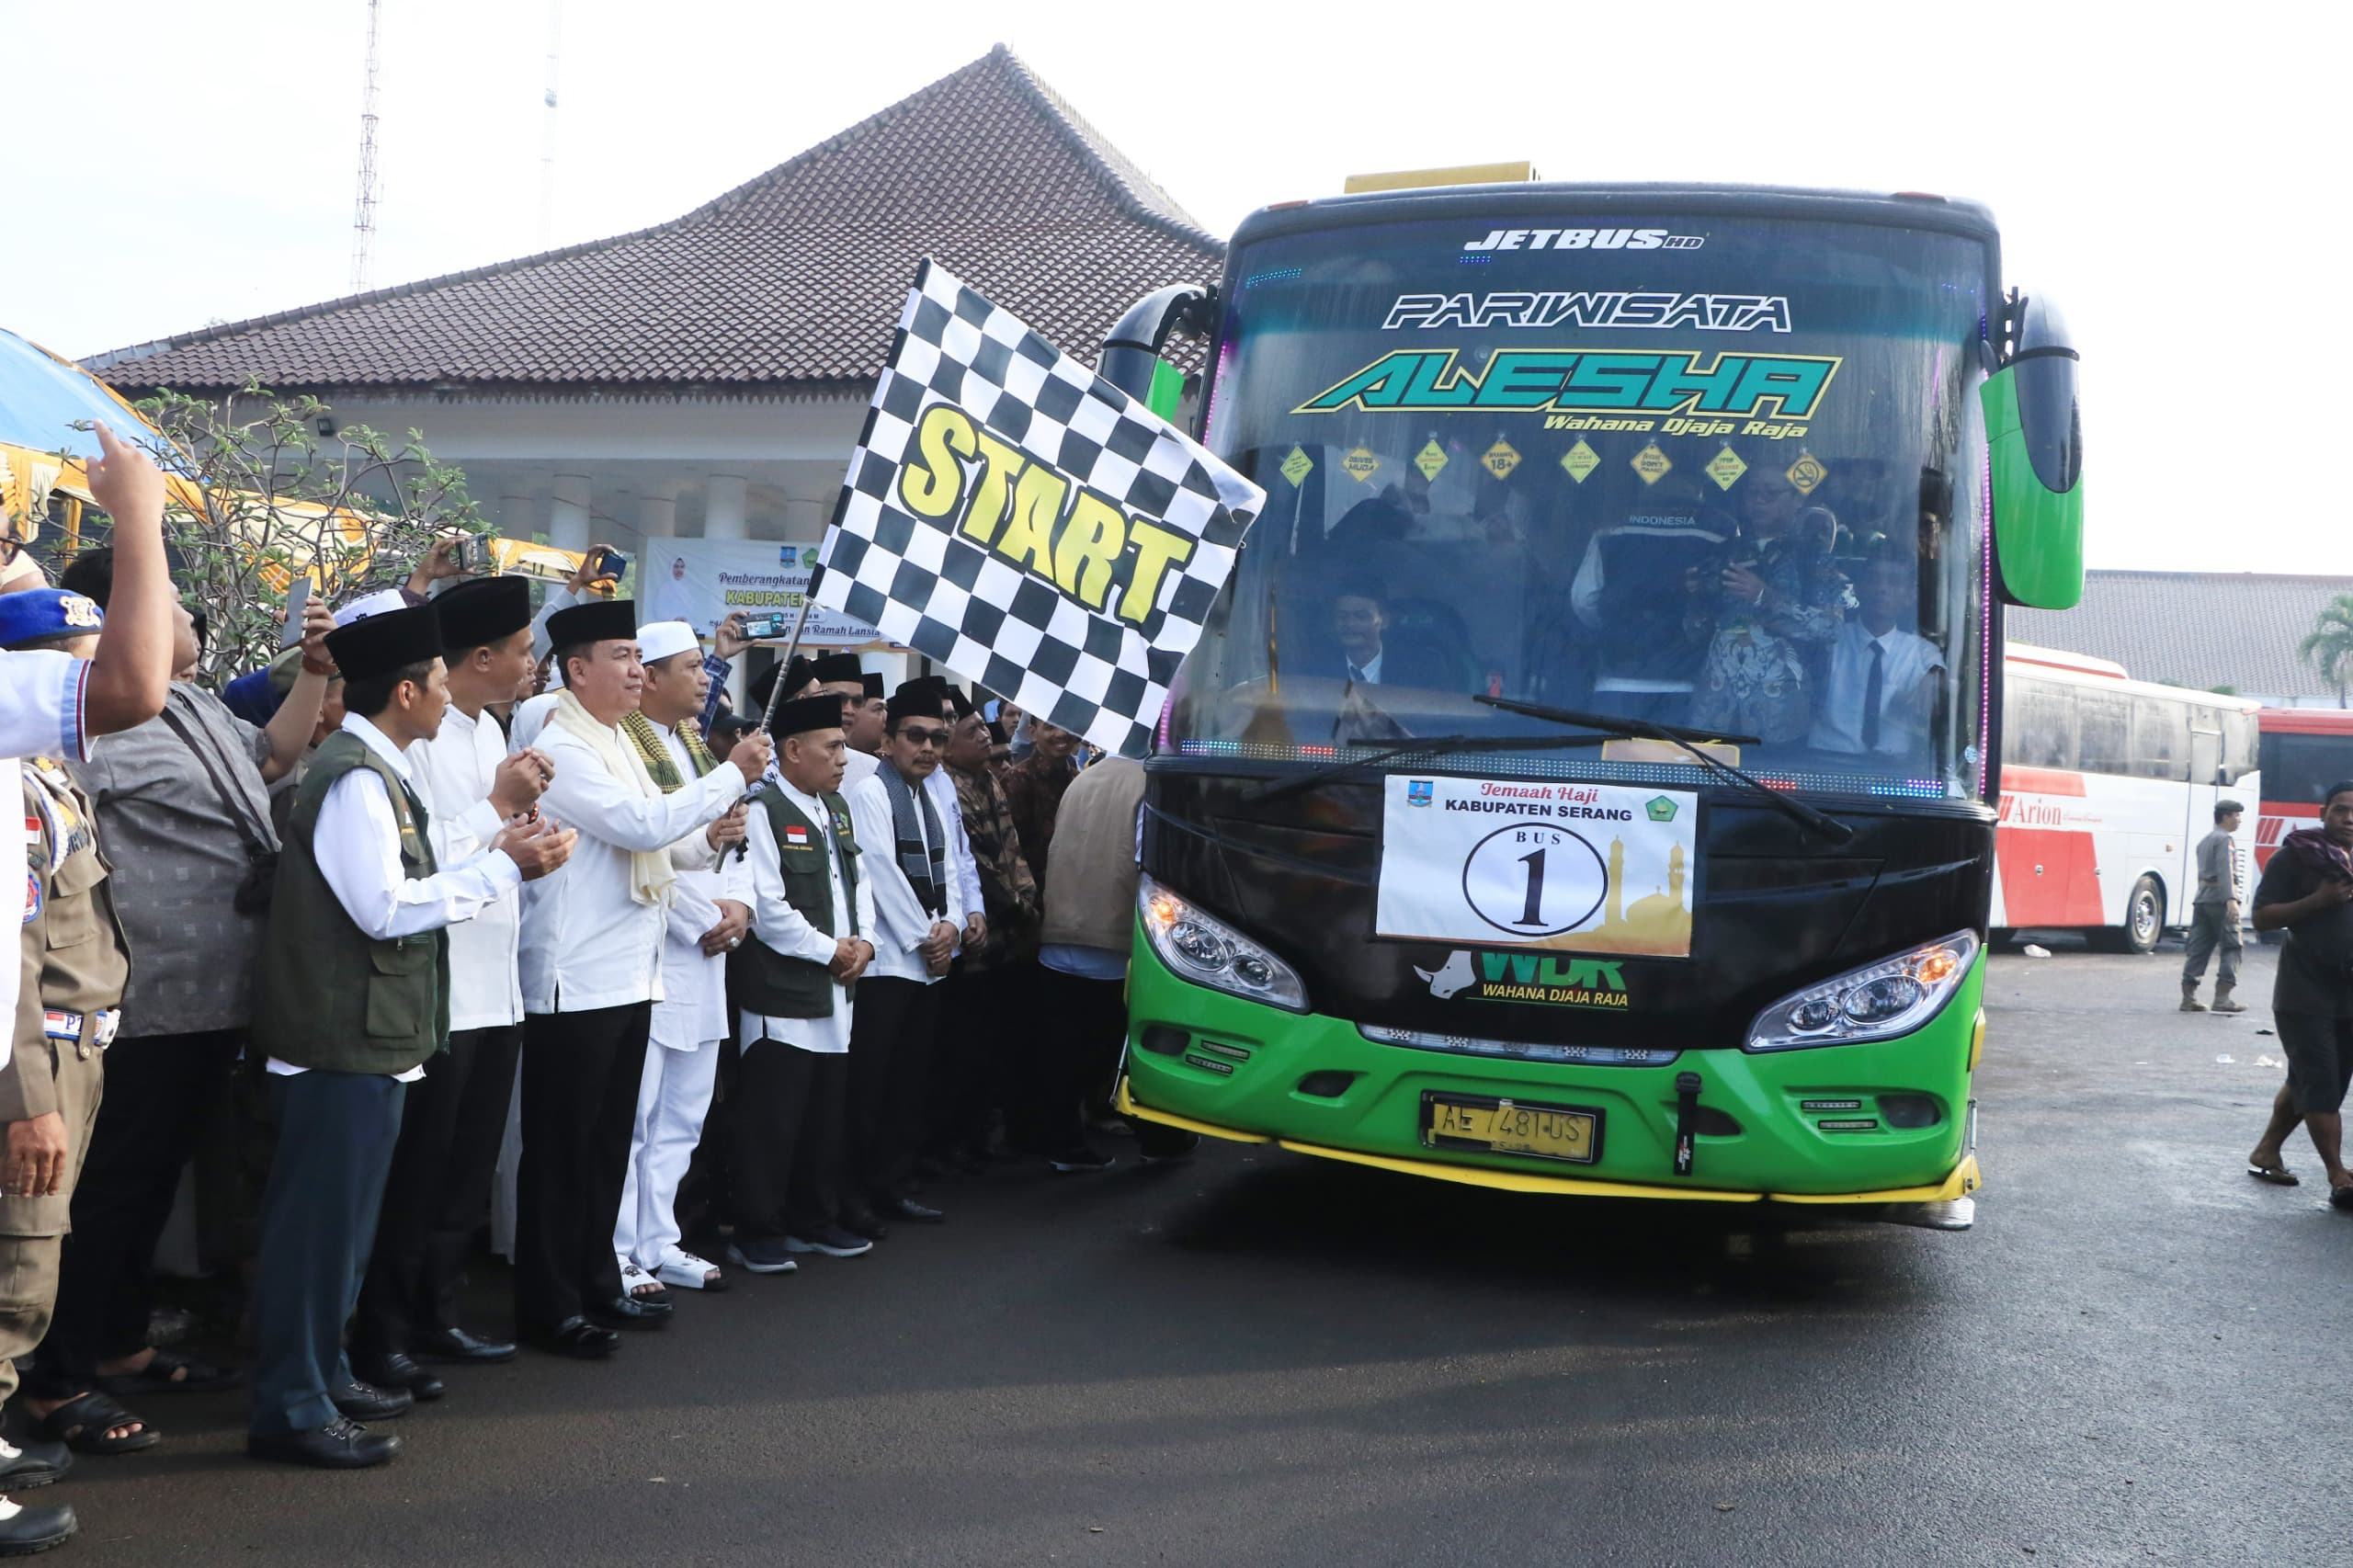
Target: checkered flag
x=1013, y=516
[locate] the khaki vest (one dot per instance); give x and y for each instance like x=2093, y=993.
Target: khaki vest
x=73, y=957
x=761, y=980
x=330, y=996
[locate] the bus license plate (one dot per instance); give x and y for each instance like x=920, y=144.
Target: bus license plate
x=1510, y=1127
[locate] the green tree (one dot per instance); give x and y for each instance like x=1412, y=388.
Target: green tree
x=267, y=497
x=2328, y=647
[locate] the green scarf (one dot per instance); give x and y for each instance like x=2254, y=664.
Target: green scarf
x=656, y=751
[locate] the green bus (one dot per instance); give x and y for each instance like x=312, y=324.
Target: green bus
x=1587, y=782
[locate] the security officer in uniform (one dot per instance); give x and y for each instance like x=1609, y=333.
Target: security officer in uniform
x=74, y=963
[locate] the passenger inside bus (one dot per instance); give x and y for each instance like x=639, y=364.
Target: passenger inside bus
x=1780, y=599
x=1882, y=689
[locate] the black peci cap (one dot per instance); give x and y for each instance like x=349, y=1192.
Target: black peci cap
x=378, y=644
x=872, y=681
x=831, y=667
x=483, y=610
x=805, y=713
x=915, y=698
x=607, y=621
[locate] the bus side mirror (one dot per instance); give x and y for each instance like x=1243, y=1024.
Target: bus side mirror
x=2035, y=437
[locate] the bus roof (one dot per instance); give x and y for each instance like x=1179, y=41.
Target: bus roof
x=2305, y=721
x=2082, y=669
x=1904, y=208
x=2081, y=664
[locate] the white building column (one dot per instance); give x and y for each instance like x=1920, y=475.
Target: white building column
x=519, y=515
x=657, y=513
x=568, y=512
x=804, y=521
x=724, y=507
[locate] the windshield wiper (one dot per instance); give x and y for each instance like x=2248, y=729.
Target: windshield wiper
x=1273, y=788
x=1797, y=811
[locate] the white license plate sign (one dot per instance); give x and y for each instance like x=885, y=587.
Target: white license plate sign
x=1515, y=863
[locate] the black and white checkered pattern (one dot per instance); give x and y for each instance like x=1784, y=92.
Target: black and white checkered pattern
x=983, y=616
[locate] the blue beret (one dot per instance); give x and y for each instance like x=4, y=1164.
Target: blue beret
x=47, y=612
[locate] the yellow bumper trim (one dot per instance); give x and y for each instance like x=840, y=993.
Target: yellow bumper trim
x=1960, y=1184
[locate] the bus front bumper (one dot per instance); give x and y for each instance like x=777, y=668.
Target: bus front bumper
x=1239, y=1070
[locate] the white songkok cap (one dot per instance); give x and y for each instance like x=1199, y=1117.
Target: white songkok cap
x=662, y=639
x=366, y=605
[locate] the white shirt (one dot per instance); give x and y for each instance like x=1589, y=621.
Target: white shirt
x=1905, y=658
x=901, y=923
x=452, y=773
x=960, y=864
x=356, y=844
x=788, y=931
x=1368, y=673
x=693, y=1009
x=587, y=943
x=41, y=714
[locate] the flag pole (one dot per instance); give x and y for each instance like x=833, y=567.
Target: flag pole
x=792, y=645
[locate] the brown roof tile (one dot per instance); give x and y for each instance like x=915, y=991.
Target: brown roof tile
x=794, y=277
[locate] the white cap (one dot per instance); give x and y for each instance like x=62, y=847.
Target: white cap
x=662, y=639
x=366, y=605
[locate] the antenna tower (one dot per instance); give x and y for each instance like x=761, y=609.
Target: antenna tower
x=363, y=216
x=546, y=128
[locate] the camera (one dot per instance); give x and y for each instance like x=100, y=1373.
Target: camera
x=765, y=627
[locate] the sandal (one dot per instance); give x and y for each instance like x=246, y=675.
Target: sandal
x=2278, y=1175
x=688, y=1272
x=634, y=1282
x=171, y=1372
x=83, y=1424
x=2340, y=1198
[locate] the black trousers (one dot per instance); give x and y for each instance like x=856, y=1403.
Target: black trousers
x=889, y=1070
x=159, y=1091
x=440, y=1190
x=981, y=1014
x=785, y=1139
x=580, y=1080
x=336, y=1134
x=1083, y=1025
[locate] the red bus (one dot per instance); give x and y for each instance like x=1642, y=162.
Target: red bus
x=2107, y=784
x=2305, y=751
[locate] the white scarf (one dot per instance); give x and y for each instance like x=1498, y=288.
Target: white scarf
x=650, y=874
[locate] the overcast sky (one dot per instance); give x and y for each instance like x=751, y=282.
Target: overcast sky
x=172, y=164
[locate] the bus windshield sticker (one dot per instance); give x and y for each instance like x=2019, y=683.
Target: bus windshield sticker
x=1298, y=466
x=1586, y=380
x=1585, y=239
x=1580, y=461
x=1656, y=311
x=1516, y=864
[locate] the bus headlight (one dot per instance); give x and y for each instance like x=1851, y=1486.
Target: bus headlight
x=1879, y=1001
x=1207, y=951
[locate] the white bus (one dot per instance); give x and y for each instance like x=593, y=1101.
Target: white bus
x=2107, y=784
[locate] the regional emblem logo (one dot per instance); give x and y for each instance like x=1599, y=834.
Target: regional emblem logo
x=1420, y=792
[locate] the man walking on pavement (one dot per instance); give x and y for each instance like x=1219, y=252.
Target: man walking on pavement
x=2307, y=890
x=2214, y=914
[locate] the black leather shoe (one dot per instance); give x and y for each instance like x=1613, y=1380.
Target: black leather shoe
x=631, y=1312
x=36, y=1461
x=35, y=1529
x=341, y=1444
x=398, y=1371
x=456, y=1345
x=365, y=1401
x=864, y=1222
x=578, y=1338
x=908, y=1209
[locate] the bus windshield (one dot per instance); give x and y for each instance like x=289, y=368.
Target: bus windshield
x=1721, y=472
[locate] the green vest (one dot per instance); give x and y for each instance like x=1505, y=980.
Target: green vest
x=330, y=996
x=761, y=980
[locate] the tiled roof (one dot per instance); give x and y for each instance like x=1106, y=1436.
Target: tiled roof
x=795, y=277
x=2202, y=628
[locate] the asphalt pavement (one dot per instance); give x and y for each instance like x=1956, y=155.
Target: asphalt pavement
x=2139, y=1354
